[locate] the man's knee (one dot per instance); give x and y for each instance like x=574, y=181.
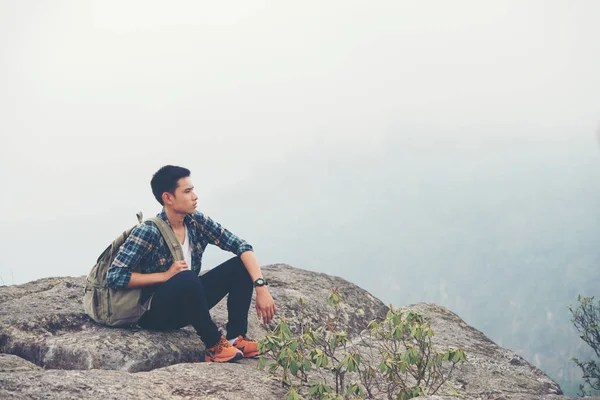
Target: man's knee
x=240, y=271
x=237, y=263
x=185, y=281
x=184, y=275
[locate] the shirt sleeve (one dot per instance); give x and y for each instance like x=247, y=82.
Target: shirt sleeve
x=138, y=245
x=220, y=236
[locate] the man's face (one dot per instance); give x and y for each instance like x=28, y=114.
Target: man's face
x=185, y=200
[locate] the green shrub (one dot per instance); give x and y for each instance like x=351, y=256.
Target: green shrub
x=321, y=362
x=586, y=318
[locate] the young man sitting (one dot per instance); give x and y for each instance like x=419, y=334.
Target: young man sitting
x=179, y=295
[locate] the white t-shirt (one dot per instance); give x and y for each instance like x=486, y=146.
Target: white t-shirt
x=187, y=250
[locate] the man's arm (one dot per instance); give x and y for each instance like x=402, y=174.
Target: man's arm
x=251, y=264
x=219, y=236
x=138, y=245
x=140, y=280
x=265, y=306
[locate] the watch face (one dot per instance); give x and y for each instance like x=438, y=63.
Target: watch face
x=260, y=282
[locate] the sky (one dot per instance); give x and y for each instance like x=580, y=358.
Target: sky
x=98, y=95
x=242, y=84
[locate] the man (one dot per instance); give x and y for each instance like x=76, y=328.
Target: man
x=179, y=295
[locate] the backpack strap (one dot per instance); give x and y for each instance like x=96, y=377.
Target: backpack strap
x=169, y=237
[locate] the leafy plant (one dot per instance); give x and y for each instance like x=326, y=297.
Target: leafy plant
x=321, y=362
x=586, y=318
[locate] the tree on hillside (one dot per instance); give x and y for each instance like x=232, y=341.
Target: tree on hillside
x=586, y=318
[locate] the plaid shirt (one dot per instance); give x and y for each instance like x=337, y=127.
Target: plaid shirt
x=145, y=251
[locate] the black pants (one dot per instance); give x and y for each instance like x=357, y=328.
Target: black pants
x=186, y=298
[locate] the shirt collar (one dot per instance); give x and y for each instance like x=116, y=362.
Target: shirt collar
x=186, y=220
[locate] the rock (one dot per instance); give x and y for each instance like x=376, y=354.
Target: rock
x=510, y=396
x=490, y=370
x=182, y=381
x=16, y=291
x=10, y=363
x=43, y=322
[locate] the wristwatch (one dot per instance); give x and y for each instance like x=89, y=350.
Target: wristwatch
x=260, y=282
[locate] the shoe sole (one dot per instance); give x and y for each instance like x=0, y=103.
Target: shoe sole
x=254, y=354
x=236, y=357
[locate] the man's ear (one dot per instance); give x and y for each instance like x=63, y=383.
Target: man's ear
x=167, y=198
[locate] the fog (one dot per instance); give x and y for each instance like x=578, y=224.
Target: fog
x=426, y=151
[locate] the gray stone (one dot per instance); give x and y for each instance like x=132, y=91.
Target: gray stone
x=11, y=363
x=490, y=370
x=43, y=322
x=509, y=396
x=182, y=381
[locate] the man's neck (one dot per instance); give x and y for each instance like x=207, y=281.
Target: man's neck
x=175, y=218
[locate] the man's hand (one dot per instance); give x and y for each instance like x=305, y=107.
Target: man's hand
x=176, y=268
x=265, y=306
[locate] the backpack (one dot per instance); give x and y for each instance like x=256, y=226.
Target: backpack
x=114, y=307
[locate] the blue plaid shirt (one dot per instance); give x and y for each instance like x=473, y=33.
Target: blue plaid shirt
x=145, y=251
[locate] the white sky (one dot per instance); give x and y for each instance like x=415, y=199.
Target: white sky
x=96, y=95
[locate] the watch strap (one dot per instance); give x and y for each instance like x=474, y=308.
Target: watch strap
x=257, y=282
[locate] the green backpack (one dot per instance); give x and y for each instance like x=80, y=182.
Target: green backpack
x=115, y=307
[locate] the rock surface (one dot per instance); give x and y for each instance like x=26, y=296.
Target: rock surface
x=10, y=363
x=181, y=381
x=70, y=356
x=511, y=396
x=490, y=370
x=43, y=322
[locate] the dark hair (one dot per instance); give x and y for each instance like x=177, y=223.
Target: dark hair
x=165, y=180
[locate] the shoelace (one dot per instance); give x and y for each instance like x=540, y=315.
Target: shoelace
x=244, y=337
x=222, y=343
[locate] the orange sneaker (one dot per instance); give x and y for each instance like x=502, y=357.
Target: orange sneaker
x=247, y=346
x=222, y=351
